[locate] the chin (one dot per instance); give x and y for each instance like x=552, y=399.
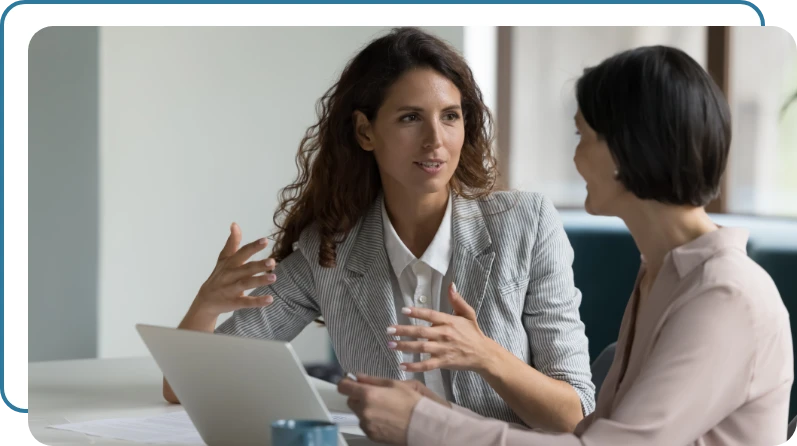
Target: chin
x=431, y=186
x=591, y=207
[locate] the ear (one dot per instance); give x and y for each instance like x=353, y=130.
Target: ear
x=363, y=131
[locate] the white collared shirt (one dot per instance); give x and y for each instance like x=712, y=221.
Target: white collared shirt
x=422, y=283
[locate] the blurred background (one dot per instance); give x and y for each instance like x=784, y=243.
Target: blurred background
x=145, y=143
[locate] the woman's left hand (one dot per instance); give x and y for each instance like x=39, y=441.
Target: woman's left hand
x=452, y=342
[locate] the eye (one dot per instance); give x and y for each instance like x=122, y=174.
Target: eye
x=451, y=116
x=578, y=133
x=412, y=117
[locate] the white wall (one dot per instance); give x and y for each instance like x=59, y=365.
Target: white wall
x=546, y=63
x=199, y=128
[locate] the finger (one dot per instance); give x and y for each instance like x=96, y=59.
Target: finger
x=428, y=315
x=433, y=348
x=374, y=381
x=423, y=366
x=249, y=269
x=246, y=251
x=254, y=301
x=459, y=305
x=352, y=389
x=232, y=242
x=356, y=405
x=413, y=331
x=249, y=283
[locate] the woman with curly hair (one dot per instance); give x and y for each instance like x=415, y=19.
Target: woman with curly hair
x=395, y=211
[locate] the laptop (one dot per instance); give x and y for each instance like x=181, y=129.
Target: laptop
x=233, y=388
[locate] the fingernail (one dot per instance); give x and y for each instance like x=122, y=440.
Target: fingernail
x=454, y=286
x=351, y=376
x=271, y=277
x=391, y=344
x=406, y=310
x=403, y=367
x=391, y=330
x=262, y=241
x=269, y=299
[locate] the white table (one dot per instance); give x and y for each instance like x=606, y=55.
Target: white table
x=84, y=390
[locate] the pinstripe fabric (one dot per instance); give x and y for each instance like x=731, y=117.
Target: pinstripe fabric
x=511, y=261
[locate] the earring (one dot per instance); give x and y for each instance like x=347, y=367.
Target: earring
x=616, y=174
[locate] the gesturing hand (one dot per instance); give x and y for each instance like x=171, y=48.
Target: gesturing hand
x=224, y=290
x=453, y=341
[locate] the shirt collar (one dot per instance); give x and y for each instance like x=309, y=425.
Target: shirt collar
x=690, y=255
x=437, y=254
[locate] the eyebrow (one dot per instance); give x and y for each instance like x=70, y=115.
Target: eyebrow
x=420, y=109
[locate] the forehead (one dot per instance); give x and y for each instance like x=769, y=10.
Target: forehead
x=423, y=84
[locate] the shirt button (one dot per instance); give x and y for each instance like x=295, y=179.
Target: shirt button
x=423, y=299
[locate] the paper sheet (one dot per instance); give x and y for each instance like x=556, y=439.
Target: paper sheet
x=171, y=428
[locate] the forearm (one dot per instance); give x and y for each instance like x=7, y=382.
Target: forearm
x=195, y=319
x=539, y=400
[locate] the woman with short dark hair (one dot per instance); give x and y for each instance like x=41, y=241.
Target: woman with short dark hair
x=704, y=355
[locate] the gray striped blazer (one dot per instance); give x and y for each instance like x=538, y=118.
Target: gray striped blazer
x=511, y=261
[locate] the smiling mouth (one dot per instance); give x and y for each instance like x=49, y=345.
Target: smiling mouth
x=430, y=167
x=429, y=164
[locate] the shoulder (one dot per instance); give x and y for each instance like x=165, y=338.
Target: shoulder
x=519, y=211
x=731, y=285
x=309, y=243
x=745, y=285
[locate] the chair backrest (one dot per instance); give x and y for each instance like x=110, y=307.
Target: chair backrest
x=601, y=365
x=792, y=426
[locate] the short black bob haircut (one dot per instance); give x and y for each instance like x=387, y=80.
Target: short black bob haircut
x=667, y=124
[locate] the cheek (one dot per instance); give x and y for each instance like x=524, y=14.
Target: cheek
x=394, y=146
x=455, y=140
x=580, y=159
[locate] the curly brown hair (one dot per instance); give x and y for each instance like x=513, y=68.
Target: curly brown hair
x=338, y=180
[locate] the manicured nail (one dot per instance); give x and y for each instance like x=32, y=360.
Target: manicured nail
x=403, y=367
x=454, y=286
x=269, y=299
x=406, y=310
x=271, y=277
x=391, y=330
x=391, y=344
x=262, y=241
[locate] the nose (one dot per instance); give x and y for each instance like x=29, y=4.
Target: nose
x=433, y=137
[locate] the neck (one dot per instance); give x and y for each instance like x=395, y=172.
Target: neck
x=658, y=228
x=416, y=217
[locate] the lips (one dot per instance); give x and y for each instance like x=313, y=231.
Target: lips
x=430, y=167
x=429, y=164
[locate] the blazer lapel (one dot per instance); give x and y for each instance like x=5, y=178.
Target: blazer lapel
x=369, y=285
x=472, y=260
x=472, y=257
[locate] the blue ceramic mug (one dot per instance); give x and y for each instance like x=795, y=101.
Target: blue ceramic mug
x=304, y=433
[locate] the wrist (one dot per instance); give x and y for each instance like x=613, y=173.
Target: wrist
x=199, y=317
x=492, y=362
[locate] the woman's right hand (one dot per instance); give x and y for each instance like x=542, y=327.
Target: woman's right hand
x=224, y=290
